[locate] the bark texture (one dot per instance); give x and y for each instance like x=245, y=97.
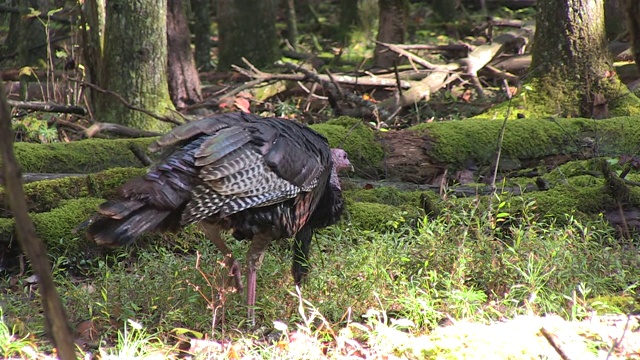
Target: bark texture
x=632, y=8
x=614, y=16
x=134, y=63
x=391, y=29
x=202, y=33
x=570, y=47
x=247, y=28
x=184, y=84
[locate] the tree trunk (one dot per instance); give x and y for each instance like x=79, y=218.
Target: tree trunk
x=202, y=33
x=247, y=28
x=93, y=20
x=391, y=29
x=632, y=8
x=614, y=16
x=134, y=64
x=184, y=84
x=292, y=24
x=570, y=51
x=447, y=10
x=348, y=14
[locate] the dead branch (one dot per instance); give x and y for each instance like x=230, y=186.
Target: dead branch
x=333, y=88
x=98, y=127
x=341, y=79
x=56, y=320
x=127, y=104
x=418, y=60
x=551, y=338
x=47, y=107
x=451, y=47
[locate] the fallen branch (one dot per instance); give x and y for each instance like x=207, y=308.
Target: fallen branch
x=126, y=103
x=332, y=87
x=451, y=47
x=418, y=60
x=56, y=320
x=47, y=107
x=341, y=79
x=556, y=346
x=98, y=127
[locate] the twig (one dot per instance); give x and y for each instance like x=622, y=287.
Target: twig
x=332, y=87
x=417, y=59
x=56, y=321
x=261, y=76
x=617, y=342
x=126, y=103
x=140, y=154
x=98, y=127
x=550, y=338
x=47, y=107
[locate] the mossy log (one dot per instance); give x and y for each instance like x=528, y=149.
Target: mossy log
x=89, y=156
x=86, y=156
x=45, y=195
x=427, y=152
x=422, y=154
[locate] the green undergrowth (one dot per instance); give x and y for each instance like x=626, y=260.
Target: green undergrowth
x=462, y=264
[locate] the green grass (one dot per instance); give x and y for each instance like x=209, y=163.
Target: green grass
x=464, y=264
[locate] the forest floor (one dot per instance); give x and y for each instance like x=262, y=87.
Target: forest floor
x=445, y=288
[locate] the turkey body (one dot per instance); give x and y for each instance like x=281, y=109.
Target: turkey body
x=261, y=178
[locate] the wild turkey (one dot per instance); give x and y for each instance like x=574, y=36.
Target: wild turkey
x=261, y=178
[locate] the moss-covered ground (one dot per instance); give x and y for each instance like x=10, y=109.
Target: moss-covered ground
x=383, y=289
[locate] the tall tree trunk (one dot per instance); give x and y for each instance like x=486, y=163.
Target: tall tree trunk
x=247, y=28
x=614, y=16
x=391, y=29
x=93, y=20
x=202, y=33
x=292, y=24
x=570, y=50
x=134, y=64
x=184, y=84
x=632, y=8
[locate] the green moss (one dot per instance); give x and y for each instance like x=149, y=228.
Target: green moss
x=568, y=199
x=84, y=156
x=388, y=195
x=358, y=140
x=6, y=230
x=458, y=142
x=44, y=195
x=56, y=227
x=547, y=96
x=375, y=216
x=621, y=304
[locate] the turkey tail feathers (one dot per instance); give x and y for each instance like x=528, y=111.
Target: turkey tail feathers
x=118, y=231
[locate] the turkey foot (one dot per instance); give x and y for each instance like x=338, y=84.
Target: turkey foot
x=234, y=277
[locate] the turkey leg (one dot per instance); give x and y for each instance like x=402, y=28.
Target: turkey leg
x=214, y=233
x=259, y=244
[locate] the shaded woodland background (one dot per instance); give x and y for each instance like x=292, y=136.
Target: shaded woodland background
x=511, y=112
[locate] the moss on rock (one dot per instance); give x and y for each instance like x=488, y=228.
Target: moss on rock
x=84, y=156
x=358, y=140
